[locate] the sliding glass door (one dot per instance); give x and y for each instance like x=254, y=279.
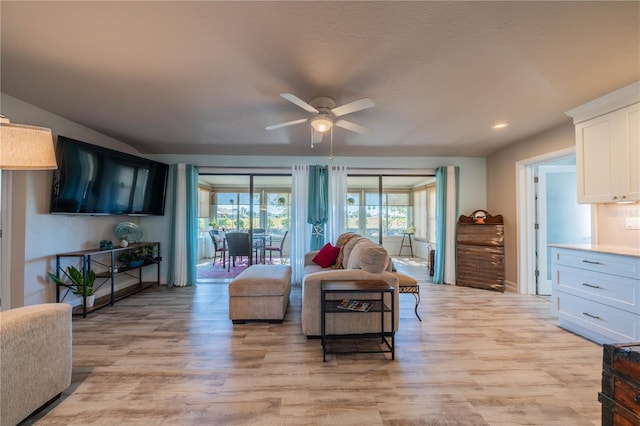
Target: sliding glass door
x=391, y=209
x=244, y=203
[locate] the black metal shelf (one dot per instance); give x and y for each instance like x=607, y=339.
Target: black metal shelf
x=110, y=270
x=380, y=342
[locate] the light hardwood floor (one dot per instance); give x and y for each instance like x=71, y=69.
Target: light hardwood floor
x=170, y=356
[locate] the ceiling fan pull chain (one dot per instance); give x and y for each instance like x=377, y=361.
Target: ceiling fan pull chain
x=331, y=145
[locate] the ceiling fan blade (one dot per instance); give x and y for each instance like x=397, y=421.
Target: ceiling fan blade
x=352, y=126
x=296, y=100
x=288, y=123
x=354, y=106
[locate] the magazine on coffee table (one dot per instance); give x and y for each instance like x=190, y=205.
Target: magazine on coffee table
x=354, y=305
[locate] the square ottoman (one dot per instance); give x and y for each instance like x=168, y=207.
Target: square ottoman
x=260, y=292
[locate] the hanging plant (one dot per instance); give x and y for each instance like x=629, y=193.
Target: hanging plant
x=351, y=201
x=282, y=201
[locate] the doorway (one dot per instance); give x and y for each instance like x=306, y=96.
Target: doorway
x=547, y=213
x=560, y=219
x=259, y=204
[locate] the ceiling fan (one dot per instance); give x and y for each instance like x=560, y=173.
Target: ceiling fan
x=325, y=115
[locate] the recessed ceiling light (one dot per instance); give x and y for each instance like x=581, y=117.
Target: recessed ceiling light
x=500, y=125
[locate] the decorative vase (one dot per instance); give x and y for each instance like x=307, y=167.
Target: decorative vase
x=134, y=263
x=124, y=243
x=91, y=300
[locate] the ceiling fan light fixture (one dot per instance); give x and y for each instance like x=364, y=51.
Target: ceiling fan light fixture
x=321, y=124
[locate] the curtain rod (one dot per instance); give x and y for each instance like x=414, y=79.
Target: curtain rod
x=399, y=172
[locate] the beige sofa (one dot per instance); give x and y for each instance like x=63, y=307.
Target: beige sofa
x=362, y=260
x=35, y=358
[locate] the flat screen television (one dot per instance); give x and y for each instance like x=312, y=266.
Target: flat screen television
x=101, y=181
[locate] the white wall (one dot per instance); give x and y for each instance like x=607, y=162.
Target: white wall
x=501, y=184
x=36, y=235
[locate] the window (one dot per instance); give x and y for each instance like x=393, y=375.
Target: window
x=232, y=210
x=203, y=209
x=372, y=215
x=364, y=219
x=424, y=204
x=385, y=206
x=277, y=213
x=431, y=208
x=396, y=215
x=270, y=210
x=352, y=222
x=420, y=206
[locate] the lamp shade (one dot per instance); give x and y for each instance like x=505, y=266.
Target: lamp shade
x=321, y=124
x=25, y=147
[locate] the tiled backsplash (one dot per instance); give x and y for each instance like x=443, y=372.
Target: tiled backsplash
x=612, y=219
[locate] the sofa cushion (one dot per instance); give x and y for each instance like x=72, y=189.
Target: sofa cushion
x=368, y=256
x=341, y=242
x=310, y=269
x=327, y=255
x=348, y=248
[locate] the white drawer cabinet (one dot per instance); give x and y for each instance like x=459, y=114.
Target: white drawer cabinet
x=597, y=295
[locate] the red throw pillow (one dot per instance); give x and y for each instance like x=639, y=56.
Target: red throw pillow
x=327, y=256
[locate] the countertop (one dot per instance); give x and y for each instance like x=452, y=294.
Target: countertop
x=601, y=248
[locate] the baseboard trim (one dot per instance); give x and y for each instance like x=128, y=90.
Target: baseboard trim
x=510, y=286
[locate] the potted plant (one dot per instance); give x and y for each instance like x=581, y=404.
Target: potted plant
x=136, y=257
x=78, y=286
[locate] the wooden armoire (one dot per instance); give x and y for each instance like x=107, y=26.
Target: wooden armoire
x=480, y=250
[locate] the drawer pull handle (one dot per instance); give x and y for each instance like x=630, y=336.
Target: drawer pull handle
x=593, y=262
x=591, y=315
x=591, y=285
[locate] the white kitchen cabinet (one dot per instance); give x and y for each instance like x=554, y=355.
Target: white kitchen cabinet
x=596, y=294
x=608, y=147
x=608, y=157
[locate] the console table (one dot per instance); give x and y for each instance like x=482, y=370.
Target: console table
x=372, y=292
x=106, y=263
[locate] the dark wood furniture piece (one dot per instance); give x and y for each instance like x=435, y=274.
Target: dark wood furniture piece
x=107, y=267
x=372, y=291
x=480, y=249
x=620, y=396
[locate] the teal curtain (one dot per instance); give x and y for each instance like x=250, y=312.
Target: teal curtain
x=318, y=204
x=447, y=189
x=441, y=207
x=192, y=223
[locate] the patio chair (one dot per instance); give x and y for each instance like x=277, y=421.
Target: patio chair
x=217, y=249
x=272, y=248
x=239, y=244
x=259, y=242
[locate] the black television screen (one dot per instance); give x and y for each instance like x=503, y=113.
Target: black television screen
x=96, y=180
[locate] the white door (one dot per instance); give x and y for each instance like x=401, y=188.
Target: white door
x=561, y=220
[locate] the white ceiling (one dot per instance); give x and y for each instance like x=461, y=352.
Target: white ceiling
x=205, y=77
